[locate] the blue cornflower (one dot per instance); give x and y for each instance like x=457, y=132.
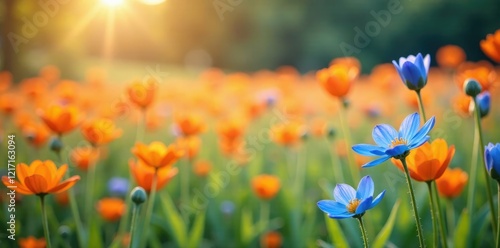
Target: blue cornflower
x=394, y=144
x=492, y=160
x=413, y=70
x=484, y=102
x=118, y=186
x=349, y=202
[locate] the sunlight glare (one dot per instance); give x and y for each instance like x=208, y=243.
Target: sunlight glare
x=112, y=3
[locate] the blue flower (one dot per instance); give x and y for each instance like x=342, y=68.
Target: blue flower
x=492, y=160
x=349, y=202
x=484, y=102
x=413, y=70
x=118, y=186
x=394, y=144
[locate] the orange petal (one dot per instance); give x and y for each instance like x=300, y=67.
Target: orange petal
x=36, y=184
x=22, y=171
x=427, y=170
x=60, y=173
x=19, y=187
x=68, y=183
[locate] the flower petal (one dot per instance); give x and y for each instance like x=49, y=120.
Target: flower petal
x=384, y=134
x=20, y=188
x=423, y=131
x=365, y=188
x=36, y=184
x=397, y=150
x=377, y=199
x=68, y=183
x=344, y=193
x=412, y=74
x=341, y=216
x=409, y=126
x=364, y=205
x=332, y=207
x=368, y=150
x=376, y=161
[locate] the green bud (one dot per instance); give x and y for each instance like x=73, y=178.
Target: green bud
x=331, y=133
x=472, y=87
x=138, y=195
x=56, y=144
x=65, y=232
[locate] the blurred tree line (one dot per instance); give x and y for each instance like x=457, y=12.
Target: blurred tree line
x=237, y=34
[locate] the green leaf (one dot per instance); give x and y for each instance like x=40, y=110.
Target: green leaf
x=462, y=230
x=246, y=227
x=335, y=232
x=386, y=231
x=175, y=221
x=95, y=234
x=196, y=232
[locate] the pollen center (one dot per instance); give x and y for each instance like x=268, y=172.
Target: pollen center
x=398, y=141
x=353, y=204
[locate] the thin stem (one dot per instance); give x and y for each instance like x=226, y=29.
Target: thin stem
x=450, y=215
x=337, y=168
x=433, y=215
x=90, y=192
x=185, y=181
x=348, y=141
x=498, y=228
x=264, y=215
x=135, y=213
x=486, y=175
x=300, y=174
x=141, y=127
x=413, y=204
x=421, y=106
x=363, y=231
x=149, y=211
x=439, y=216
x=473, y=173
x=45, y=222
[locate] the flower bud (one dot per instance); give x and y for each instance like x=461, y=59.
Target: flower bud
x=484, y=101
x=65, y=232
x=331, y=133
x=56, y=144
x=138, y=195
x=472, y=87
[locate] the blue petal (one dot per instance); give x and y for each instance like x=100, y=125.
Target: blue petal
x=409, y=126
x=341, y=216
x=377, y=199
x=384, y=134
x=397, y=150
x=488, y=161
x=398, y=68
x=365, y=188
x=418, y=143
x=332, y=207
x=344, y=193
x=419, y=62
x=364, y=205
x=368, y=150
x=376, y=161
x=427, y=63
x=412, y=74
x=423, y=131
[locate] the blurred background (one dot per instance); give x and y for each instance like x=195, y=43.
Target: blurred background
x=235, y=35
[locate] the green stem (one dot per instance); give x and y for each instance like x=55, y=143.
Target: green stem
x=421, y=106
x=473, y=173
x=363, y=232
x=439, y=216
x=264, y=215
x=433, y=215
x=486, y=175
x=90, y=192
x=149, y=211
x=337, y=168
x=45, y=222
x=300, y=174
x=348, y=141
x=498, y=228
x=135, y=213
x=141, y=126
x=413, y=204
x=185, y=181
x=450, y=215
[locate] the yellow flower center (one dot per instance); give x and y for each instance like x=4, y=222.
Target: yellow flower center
x=398, y=141
x=353, y=204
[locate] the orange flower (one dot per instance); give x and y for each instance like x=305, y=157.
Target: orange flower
x=452, y=182
x=318, y=127
x=190, y=145
x=157, y=155
x=231, y=148
x=482, y=71
x=61, y=119
x=68, y=91
x=85, y=156
x=143, y=175
x=189, y=124
x=5, y=80
x=462, y=104
x=202, y=168
x=40, y=178
x=50, y=73
x=100, y=131
x=142, y=94
x=9, y=102
x=338, y=78
x=491, y=46
x=231, y=130
x=32, y=242
x=450, y=56
x=271, y=240
x=287, y=133
x=62, y=198
x=36, y=133
x=266, y=186
x=111, y=209
x=429, y=161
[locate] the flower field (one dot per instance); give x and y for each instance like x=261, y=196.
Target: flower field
x=407, y=155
